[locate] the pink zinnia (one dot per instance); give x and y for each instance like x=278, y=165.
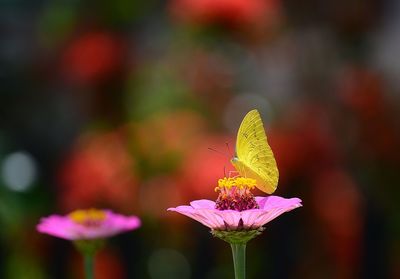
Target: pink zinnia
x=236, y=209
x=87, y=224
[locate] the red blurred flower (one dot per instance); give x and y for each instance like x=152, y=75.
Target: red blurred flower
x=159, y=193
x=303, y=143
x=362, y=91
x=338, y=205
x=210, y=76
x=98, y=173
x=203, y=167
x=92, y=57
x=232, y=13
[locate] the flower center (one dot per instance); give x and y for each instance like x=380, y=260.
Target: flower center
x=234, y=193
x=88, y=218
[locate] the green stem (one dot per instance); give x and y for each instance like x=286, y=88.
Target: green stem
x=89, y=266
x=239, y=259
x=88, y=248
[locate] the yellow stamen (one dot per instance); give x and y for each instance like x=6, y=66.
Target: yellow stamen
x=87, y=216
x=237, y=182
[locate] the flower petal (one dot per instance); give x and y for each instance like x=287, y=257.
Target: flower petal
x=192, y=213
x=268, y=216
x=230, y=217
x=276, y=201
x=58, y=226
x=203, y=204
x=212, y=217
x=250, y=218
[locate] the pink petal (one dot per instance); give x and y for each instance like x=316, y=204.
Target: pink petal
x=181, y=208
x=250, y=218
x=230, y=217
x=276, y=201
x=269, y=216
x=203, y=204
x=192, y=213
x=58, y=226
x=212, y=217
x=115, y=224
x=202, y=211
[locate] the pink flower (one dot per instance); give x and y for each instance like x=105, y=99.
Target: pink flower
x=236, y=208
x=87, y=224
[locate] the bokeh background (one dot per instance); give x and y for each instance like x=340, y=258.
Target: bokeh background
x=114, y=104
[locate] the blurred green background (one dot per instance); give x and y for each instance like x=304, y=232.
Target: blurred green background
x=114, y=104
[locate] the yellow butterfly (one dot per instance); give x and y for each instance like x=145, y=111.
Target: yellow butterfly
x=253, y=156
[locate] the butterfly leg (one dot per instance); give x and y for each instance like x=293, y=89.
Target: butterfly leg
x=236, y=174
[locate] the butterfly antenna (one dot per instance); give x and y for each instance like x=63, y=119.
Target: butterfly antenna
x=229, y=150
x=219, y=152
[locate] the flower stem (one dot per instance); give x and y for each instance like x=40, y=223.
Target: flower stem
x=89, y=266
x=88, y=248
x=239, y=259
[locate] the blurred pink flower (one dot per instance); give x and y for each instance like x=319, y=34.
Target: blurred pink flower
x=205, y=212
x=87, y=224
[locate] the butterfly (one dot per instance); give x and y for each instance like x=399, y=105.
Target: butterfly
x=253, y=156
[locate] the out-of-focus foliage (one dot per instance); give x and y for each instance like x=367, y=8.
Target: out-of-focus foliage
x=116, y=103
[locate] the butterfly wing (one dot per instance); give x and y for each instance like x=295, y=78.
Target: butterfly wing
x=254, y=157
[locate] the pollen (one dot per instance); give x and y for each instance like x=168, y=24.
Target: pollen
x=236, y=182
x=90, y=218
x=235, y=194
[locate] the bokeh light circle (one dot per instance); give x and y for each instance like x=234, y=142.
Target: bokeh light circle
x=19, y=171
